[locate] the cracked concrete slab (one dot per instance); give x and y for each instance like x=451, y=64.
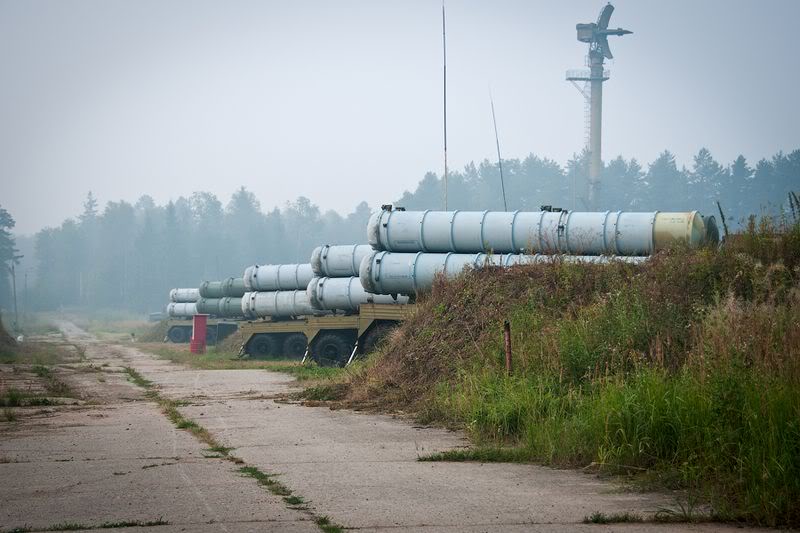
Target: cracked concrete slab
x=122, y=460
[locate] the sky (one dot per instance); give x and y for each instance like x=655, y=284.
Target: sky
x=341, y=101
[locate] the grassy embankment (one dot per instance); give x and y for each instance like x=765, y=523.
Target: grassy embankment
x=686, y=369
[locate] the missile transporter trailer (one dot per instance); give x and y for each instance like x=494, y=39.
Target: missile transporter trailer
x=332, y=340
x=179, y=330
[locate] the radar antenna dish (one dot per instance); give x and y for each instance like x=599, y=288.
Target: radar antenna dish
x=595, y=34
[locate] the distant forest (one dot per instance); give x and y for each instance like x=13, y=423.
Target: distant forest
x=127, y=256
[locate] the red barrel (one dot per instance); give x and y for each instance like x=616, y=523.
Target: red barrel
x=199, y=326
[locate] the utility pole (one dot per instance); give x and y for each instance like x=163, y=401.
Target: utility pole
x=444, y=94
x=25, y=310
x=14, y=260
x=14, y=290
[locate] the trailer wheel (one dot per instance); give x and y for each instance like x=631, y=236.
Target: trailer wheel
x=375, y=338
x=331, y=349
x=177, y=334
x=262, y=345
x=295, y=345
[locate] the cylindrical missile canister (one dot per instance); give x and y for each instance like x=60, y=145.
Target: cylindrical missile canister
x=406, y=273
x=181, y=310
x=338, y=261
x=277, y=304
x=261, y=278
x=547, y=232
x=345, y=294
x=182, y=296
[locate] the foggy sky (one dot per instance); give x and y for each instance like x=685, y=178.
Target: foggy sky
x=341, y=101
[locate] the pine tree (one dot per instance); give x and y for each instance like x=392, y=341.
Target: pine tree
x=8, y=256
x=740, y=189
x=89, y=208
x=706, y=181
x=664, y=187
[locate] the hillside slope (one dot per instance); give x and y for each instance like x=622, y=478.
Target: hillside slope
x=687, y=368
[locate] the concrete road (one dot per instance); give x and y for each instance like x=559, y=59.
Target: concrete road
x=123, y=460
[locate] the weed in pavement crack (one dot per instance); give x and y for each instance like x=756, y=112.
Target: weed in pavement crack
x=170, y=408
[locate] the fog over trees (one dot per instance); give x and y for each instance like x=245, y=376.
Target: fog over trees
x=127, y=256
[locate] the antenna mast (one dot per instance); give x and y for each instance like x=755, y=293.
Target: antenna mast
x=595, y=34
x=444, y=91
x=499, y=159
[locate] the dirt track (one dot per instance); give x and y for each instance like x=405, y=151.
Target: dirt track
x=118, y=458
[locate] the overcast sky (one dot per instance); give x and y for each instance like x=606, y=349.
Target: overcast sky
x=340, y=101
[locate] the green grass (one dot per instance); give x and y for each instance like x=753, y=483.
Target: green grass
x=12, y=398
x=226, y=360
x=733, y=437
x=137, y=379
x=76, y=526
x=326, y=525
x=42, y=371
x=294, y=500
x=267, y=480
x=36, y=353
x=221, y=450
x=17, y=398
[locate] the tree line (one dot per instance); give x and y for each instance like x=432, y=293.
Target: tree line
x=127, y=256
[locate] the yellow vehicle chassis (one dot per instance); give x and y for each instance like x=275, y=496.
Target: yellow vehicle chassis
x=311, y=326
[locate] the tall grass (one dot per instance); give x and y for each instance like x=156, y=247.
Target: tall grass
x=687, y=368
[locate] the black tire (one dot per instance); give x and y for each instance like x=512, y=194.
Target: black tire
x=261, y=346
x=294, y=345
x=375, y=337
x=330, y=349
x=177, y=334
x=211, y=335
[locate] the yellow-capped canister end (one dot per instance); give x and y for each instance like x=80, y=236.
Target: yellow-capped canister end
x=670, y=228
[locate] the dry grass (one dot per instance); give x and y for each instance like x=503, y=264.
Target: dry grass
x=155, y=332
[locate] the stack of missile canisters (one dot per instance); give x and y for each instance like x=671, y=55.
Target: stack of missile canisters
x=407, y=249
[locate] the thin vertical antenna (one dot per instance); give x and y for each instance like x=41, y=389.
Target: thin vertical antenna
x=444, y=63
x=499, y=159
